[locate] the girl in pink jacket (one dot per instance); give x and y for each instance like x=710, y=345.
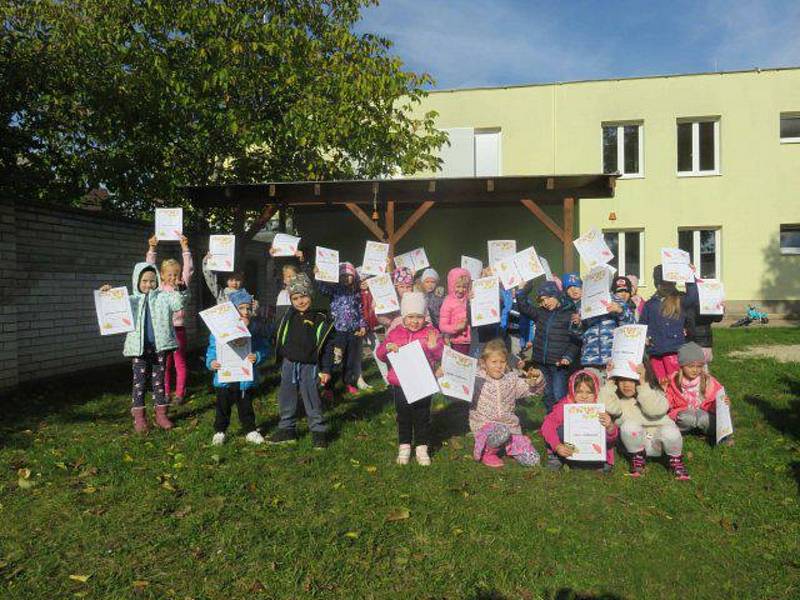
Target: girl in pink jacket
x=454, y=316
x=413, y=420
x=173, y=276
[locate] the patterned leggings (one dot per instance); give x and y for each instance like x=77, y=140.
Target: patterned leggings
x=155, y=362
x=499, y=436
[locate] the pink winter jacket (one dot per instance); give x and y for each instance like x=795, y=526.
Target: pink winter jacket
x=186, y=278
x=495, y=400
x=679, y=403
x=402, y=336
x=455, y=310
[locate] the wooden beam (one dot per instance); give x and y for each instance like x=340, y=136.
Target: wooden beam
x=364, y=218
x=260, y=222
x=544, y=218
x=569, y=249
x=390, y=227
x=412, y=220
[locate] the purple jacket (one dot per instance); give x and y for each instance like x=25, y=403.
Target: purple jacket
x=346, y=307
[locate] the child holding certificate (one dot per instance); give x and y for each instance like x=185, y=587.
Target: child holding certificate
x=150, y=341
x=239, y=393
x=454, y=315
x=584, y=388
x=692, y=394
x=413, y=420
x=492, y=418
x=597, y=333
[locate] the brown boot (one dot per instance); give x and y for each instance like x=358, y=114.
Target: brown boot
x=162, y=420
x=139, y=420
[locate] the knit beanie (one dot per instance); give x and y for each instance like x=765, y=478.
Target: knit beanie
x=569, y=280
x=240, y=296
x=548, y=288
x=413, y=303
x=347, y=268
x=429, y=274
x=622, y=284
x=402, y=276
x=689, y=353
x=300, y=284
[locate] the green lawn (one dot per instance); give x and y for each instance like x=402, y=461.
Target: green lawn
x=168, y=516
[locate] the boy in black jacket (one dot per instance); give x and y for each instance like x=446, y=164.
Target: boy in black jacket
x=304, y=345
x=554, y=345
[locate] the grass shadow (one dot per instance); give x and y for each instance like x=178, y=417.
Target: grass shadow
x=449, y=422
x=570, y=594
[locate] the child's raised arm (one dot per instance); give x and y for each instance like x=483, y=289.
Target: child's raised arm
x=188, y=263
x=210, y=278
x=152, y=243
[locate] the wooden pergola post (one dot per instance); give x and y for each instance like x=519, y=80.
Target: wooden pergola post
x=569, y=249
x=390, y=227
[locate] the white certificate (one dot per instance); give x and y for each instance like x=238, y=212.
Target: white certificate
x=284, y=244
x=414, y=372
x=414, y=261
x=675, y=264
x=114, y=314
x=473, y=265
x=375, y=256
x=327, y=263
x=627, y=350
x=593, y=249
x=582, y=429
x=283, y=299
x=222, y=251
x=596, y=294
x=485, y=305
x=724, y=421
x=458, y=380
x=384, y=295
x=500, y=249
x=712, y=296
x=169, y=224
x=528, y=264
x=548, y=272
x=405, y=261
x=506, y=270
x=232, y=357
x=224, y=321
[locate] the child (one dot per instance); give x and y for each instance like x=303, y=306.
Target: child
x=597, y=333
x=584, y=388
x=306, y=353
x=692, y=394
x=429, y=282
x=150, y=341
x=572, y=287
x=348, y=321
x=233, y=281
x=622, y=288
x=454, y=316
x=413, y=420
x=554, y=346
x=640, y=410
x=172, y=276
x=702, y=333
x=403, y=281
x=491, y=417
x=239, y=393
x=636, y=299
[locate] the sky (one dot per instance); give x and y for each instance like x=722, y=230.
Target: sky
x=472, y=43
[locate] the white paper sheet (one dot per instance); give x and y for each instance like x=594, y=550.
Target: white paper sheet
x=582, y=429
x=593, y=249
x=712, y=296
x=724, y=421
x=458, y=380
x=506, y=270
x=383, y=369
x=414, y=372
x=283, y=298
x=284, y=244
x=222, y=250
x=473, y=265
x=169, y=224
x=384, y=296
x=500, y=249
x=113, y=308
x=485, y=305
x=675, y=264
x=234, y=366
x=627, y=350
x=548, y=272
x=224, y=321
x=528, y=264
x=414, y=261
x=327, y=263
x=596, y=294
x=375, y=256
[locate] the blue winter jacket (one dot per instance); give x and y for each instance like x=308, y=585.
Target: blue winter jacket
x=258, y=346
x=597, y=334
x=665, y=335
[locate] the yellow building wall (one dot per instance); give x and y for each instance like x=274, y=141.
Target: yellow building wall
x=556, y=129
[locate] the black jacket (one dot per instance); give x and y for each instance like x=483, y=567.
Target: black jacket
x=553, y=339
x=305, y=338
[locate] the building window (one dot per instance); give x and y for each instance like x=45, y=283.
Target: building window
x=628, y=249
x=703, y=245
x=790, y=239
x=698, y=147
x=623, y=149
x=471, y=153
x=487, y=152
x=790, y=128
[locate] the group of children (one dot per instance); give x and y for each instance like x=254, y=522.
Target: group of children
x=540, y=346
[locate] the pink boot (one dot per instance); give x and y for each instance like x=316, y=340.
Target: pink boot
x=351, y=389
x=162, y=420
x=139, y=420
x=490, y=457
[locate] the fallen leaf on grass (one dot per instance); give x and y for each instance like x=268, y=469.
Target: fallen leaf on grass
x=80, y=578
x=61, y=466
x=89, y=489
x=182, y=512
x=353, y=535
x=337, y=485
x=24, y=473
x=24, y=484
x=127, y=457
x=139, y=585
x=371, y=469
x=88, y=472
x=398, y=514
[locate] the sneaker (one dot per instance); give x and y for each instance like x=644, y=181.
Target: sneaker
x=403, y=454
x=283, y=436
x=363, y=385
x=637, y=464
x=553, y=461
x=491, y=459
x=351, y=389
x=254, y=437
x=678, y=468
x=422, y=456
x=319, y=441
x=727, y=441
x=218, y=439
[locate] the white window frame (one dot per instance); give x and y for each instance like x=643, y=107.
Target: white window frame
x=696, y=248
x=788, y=115
x=790, y=250
x=696, y=172
x=620, y=125
x=620, y=233
x=488, y=131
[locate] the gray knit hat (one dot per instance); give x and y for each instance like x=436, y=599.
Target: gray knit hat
x=689, y=353
x=300, y=284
